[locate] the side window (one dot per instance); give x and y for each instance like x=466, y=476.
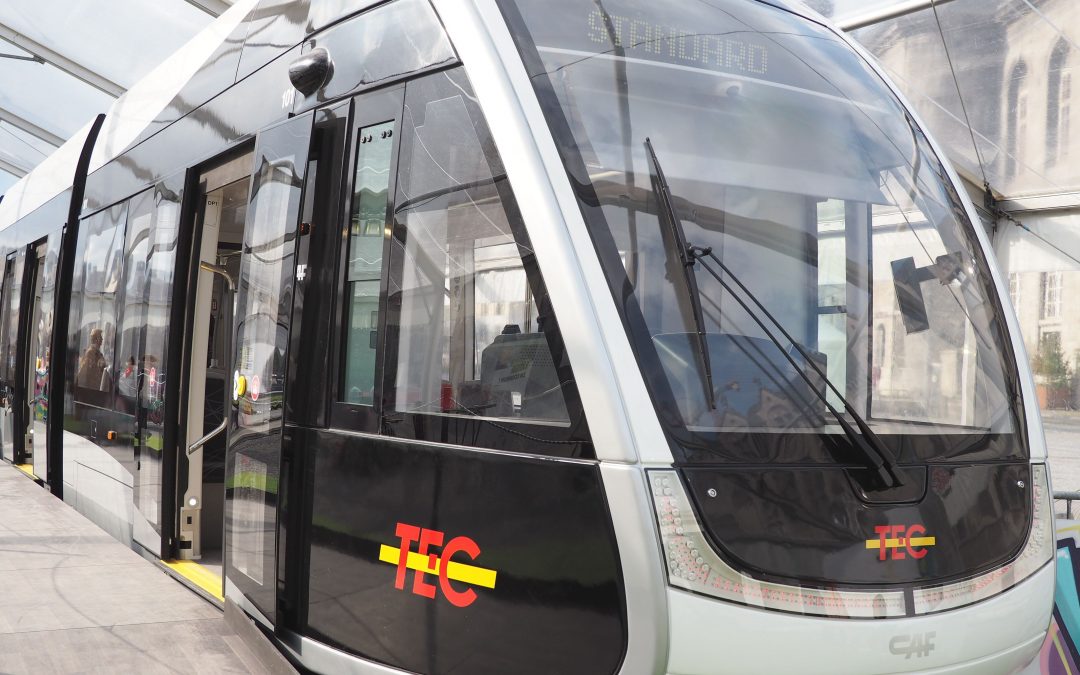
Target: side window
x=470, y=330
x=102, y=262
x=364, y=264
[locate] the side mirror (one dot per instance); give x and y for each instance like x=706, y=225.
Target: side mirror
x=907, y=283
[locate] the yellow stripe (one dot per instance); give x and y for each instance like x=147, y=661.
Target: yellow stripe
x=1061, y=654
x=198, y=575
x=897, y=543
x=470, y=574
x=28, y=469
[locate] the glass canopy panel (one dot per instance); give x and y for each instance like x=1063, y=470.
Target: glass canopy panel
x=839, y=10
x=1015, y=65
x=150, y=32
x=22, y=149
x=47, y=96
x=6, y=181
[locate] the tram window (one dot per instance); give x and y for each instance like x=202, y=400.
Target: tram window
x=102, y=261
x=132, y=304
x=467, y=319
x=367, y=222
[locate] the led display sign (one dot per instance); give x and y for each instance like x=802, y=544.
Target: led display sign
x=703, y=50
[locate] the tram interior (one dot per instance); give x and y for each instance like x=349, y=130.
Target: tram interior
x=222, y=230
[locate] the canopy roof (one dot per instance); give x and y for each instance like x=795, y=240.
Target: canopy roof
x=1013, y=61
x=73, y=59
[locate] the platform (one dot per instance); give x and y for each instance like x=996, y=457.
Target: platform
x=73, y=599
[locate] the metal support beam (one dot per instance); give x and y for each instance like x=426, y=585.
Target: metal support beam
x=899, y=9
x=60, y=61
x=214, y=8
x=30, y=128
x=16, y=171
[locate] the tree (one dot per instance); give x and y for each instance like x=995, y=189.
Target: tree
x=1050, y=362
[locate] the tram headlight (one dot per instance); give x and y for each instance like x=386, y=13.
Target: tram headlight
x=693, y=565
x=1037, y=551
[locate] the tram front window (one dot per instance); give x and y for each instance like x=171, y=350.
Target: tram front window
x=792, y=161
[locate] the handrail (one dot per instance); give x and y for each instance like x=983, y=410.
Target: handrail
x=220, y=271
x=224, y=274
x=197, y=445
x=1069, y=498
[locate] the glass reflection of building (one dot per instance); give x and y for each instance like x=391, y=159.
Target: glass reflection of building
x=1015, y=64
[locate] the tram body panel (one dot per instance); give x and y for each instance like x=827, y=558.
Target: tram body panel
x=995, y=636
x=545, y=566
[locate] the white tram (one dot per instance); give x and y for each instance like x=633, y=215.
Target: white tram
x=535, y=336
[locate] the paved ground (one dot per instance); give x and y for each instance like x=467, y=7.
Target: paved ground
x=75, y=600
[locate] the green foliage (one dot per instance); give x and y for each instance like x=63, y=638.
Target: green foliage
x=1050, y=362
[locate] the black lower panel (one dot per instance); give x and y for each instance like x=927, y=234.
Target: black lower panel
x=798, y=524
x=542, y=592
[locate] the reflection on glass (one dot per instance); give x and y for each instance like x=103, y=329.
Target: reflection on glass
x=366, y=236
x=102, y=262
x=132, y=316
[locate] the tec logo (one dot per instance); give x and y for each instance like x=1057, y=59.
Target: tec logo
x=427, y=560
x=895, y=542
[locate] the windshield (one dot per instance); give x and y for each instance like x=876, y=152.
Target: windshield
x=794, y=163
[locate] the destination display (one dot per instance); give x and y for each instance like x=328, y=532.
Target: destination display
x=637, y=36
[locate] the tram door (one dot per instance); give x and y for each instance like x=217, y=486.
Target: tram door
x=9, y=347
x=264, y=307
x=222, y=208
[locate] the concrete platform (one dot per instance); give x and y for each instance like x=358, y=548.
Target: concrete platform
x=75, y=600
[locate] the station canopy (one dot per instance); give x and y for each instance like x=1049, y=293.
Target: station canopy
x=1011, y=59
x=63, y=62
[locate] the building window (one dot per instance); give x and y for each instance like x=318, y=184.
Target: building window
x=1015, y=124
x=1051, y=296
x=1063, y=121
x=1057, y=96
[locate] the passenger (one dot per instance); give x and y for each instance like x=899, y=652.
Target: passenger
x=92, y=364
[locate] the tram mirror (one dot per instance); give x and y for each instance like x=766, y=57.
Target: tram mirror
x=908, y=279
x=312, y=71
x=907, y=283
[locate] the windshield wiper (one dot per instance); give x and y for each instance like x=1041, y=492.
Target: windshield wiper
x=877, y=455
x=667, y=209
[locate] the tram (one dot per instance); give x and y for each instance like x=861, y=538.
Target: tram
x=537, y=336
